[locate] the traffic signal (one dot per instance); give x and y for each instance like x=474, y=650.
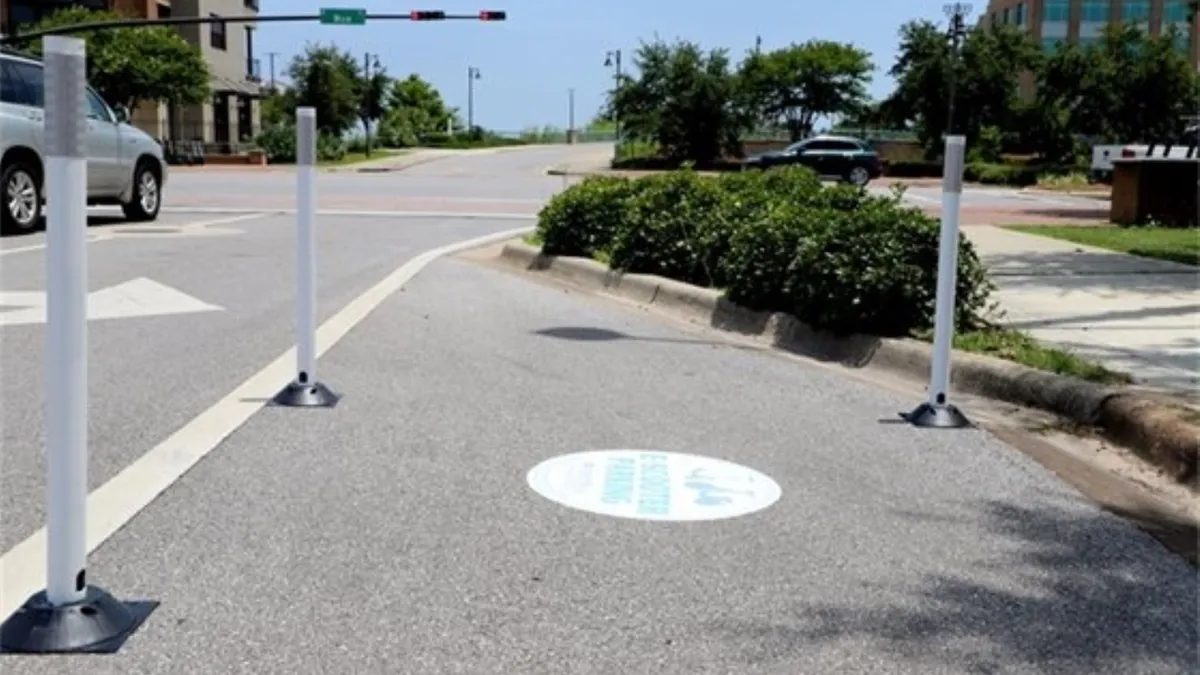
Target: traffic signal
x=492, y=15
x=427, y=15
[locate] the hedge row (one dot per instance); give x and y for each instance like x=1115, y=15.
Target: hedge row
x=1013, y=175
x=836, y=257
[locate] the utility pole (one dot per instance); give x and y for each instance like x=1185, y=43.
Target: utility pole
x=368, y=102
x=957, y=13
x=571, y=115
x=271, y=59
x=472, y=75
x=613, y=60
x=757, y=45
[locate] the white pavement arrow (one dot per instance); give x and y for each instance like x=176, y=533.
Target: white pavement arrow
x=137, y=298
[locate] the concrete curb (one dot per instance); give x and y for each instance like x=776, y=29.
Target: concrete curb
x=1089, y=194
x=1137, y=421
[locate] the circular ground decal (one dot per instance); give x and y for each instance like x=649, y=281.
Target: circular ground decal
x=650, y=485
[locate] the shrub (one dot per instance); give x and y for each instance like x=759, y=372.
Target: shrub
x=674, y=226
x=1000, y=174
x=874, y=270
x=762, y=251
x=914, y=169
x=278, y=141
x=582, y=220
x=330, y=149
x=838, y=258
x=988, y=147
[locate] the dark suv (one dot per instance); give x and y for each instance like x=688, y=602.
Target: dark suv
x=842, y=157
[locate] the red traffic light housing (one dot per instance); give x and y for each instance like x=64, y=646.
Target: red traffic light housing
x=427, y=15
x=492, y=15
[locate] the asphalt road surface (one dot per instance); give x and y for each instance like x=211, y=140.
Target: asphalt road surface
x=502, y=180
x=399, y=533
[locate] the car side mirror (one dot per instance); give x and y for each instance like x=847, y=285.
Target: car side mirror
x=122, y=113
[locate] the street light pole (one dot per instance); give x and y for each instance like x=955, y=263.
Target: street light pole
x=957, y=13
x=472, y=75
x=613, y=60
x=368, y=102
x=571, y=115
x=271, y=57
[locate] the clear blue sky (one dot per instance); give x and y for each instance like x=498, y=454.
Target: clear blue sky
x=547, y=47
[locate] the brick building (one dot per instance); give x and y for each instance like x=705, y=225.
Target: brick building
x=232, y=116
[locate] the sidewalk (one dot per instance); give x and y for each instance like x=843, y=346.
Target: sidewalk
x=1136, y=315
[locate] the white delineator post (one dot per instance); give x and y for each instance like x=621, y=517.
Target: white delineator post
x=70, y=615
x=306, y=245
x=305, y=390
x=937, y=411
x=66, y=325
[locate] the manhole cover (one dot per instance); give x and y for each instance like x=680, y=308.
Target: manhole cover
x=652, y=485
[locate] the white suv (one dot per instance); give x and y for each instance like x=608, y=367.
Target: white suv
x=124, y=164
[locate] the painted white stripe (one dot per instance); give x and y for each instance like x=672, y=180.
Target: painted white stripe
x=366, y=214
x=248, y=214
x=112, y=505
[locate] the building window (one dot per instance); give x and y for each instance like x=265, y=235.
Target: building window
x=250, y=4
x=1006, y=21
x=216, y=33
x=1020, y=14
x=1055, y=17
x=1175, y=11
x=1095, y=11
x=1135, y=11
x=1175, y=15
x=164, y=11
x=1057, y=11
x=1094, y=19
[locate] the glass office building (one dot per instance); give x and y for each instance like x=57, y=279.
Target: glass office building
x=1082, y=22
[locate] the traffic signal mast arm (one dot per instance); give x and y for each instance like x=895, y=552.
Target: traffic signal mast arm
x=417, y=15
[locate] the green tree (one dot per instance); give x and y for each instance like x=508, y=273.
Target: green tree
x=987, y=79
x=327, y=80
x=373, y=101
x=684, y=100
x=130, y=65
x=415, y=111
x=278, y=107
x=1130, y=86
x=801, y=82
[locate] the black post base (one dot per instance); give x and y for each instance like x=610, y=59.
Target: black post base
x=311, y=395
x=98, y=624
x=928, y=416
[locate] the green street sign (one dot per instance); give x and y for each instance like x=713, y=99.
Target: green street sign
x=343, y=17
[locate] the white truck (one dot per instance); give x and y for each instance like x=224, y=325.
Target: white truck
x=1187, y=147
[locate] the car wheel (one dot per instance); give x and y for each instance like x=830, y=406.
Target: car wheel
x=858, y=176
x=22, y=195
x=147, y=194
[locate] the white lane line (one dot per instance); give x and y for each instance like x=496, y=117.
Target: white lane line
x=109, y=236
x=112, y=505
x=466, y=215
